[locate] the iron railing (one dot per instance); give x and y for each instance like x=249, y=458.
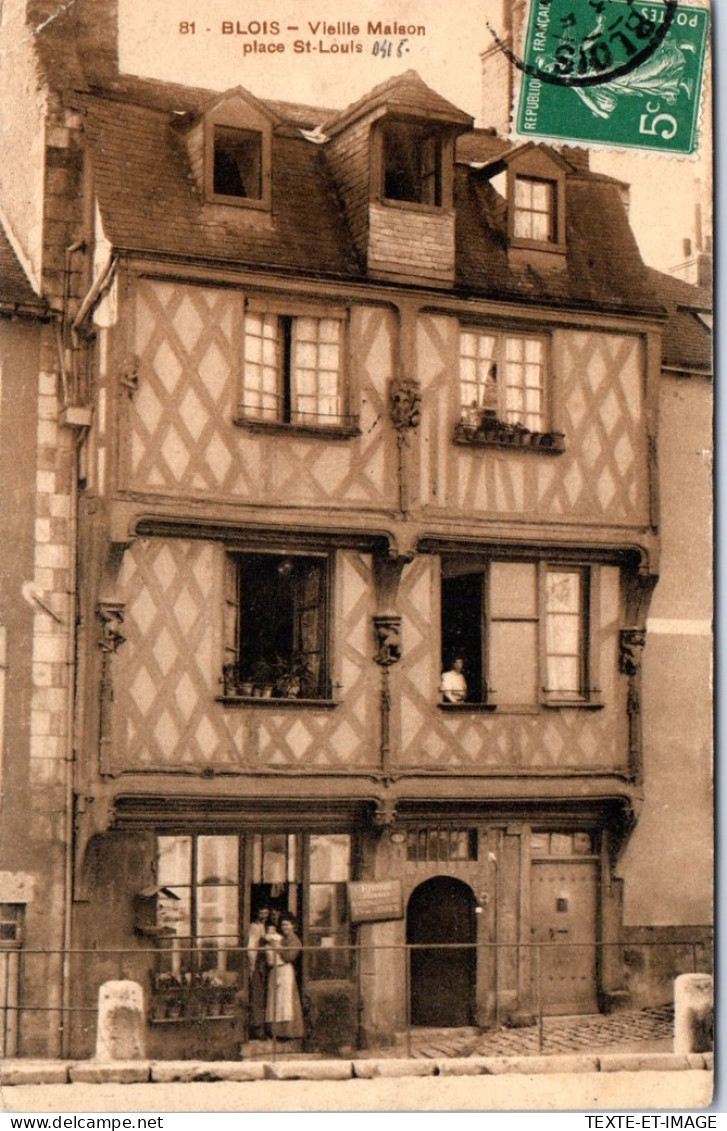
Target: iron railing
x=30, y=982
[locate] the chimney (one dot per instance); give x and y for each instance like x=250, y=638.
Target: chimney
x=498, y=70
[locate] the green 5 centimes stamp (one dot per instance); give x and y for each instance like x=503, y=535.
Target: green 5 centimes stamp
x=615, y=72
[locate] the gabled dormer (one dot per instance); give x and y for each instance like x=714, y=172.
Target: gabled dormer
x=229, y=142
x=392, y=154
x=533, y=182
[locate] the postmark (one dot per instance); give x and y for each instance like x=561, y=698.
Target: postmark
x=617, y=72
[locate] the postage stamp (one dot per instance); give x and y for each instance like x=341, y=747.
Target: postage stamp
x=616, y=72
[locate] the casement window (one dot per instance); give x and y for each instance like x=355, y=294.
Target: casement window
x=412, y=163
x=198, y=925
x=535, y=216
x=212, y=886
x=503, y=379
x=237, y=163
x=293, y=370
x=276, y=626
x=523, y=630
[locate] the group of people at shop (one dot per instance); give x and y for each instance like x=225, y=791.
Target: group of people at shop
x=273, y=949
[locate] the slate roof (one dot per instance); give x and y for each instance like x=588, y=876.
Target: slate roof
x=149, y=199
x=150, y=202
x=401, y=94
x=16, y=292
x=688, y=342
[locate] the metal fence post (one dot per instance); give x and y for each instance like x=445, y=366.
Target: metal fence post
x=539, y=964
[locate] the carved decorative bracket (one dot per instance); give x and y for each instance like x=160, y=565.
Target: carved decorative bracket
x=384, y=815
x=387, y=627
x=111, y=615
x=405, y=404
x=631, y=646
x=129, y=378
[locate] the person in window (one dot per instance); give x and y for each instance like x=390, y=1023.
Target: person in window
x=283, y=1015
x=258, y=973
x=454, y=685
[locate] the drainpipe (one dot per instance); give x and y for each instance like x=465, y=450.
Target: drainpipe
x=70, y=759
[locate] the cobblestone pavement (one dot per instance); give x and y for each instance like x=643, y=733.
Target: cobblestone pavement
x=592, y=1033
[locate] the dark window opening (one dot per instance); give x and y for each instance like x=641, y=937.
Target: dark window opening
x=237, y=163
x=462, y=631
x=412, y=164
x=281, y=626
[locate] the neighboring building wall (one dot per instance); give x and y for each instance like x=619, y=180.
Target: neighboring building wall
x=36, y=458
x=23, y=134
x=668, y=863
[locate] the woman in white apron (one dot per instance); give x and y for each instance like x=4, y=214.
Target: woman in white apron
x=283, y=1014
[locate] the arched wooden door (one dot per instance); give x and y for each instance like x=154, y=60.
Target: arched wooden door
x=442, y=981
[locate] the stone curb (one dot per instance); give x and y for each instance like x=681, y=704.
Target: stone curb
x=517, y=1065
x=33, y=1072
x=194, y=1071
x=29, y=1072
x=111, y=1072
x=642, y=1062
x=372, y=1069
x=308, y=1070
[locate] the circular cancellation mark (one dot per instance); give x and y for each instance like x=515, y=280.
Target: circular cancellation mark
x=589, y=42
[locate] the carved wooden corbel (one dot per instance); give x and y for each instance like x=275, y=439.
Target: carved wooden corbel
x=405, y=404
x=384, y=815
x=631, y=647
x=111, y=615
x=387, y=627
x=129, y=377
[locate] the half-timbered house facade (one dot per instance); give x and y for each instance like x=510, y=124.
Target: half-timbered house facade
x=359, y=394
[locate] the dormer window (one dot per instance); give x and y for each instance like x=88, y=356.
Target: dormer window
x=536, y=187
x=535, y=210
x=412, y=163
x=230, y=147
x=237, y=162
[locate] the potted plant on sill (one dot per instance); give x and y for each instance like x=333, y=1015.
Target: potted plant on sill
x=294, y=677
x=263, y=679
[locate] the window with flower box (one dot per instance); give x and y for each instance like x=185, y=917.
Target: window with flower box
x=504, y=390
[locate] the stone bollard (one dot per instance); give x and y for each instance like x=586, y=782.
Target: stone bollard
x=693, y=1013
x=121, y=1032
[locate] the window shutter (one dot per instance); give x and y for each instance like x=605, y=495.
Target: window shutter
x=310, y=623
x=231, y=615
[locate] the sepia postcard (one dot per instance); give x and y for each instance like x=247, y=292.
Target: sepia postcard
x=356, y=584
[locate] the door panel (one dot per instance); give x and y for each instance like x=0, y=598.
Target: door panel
x=564, y=915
